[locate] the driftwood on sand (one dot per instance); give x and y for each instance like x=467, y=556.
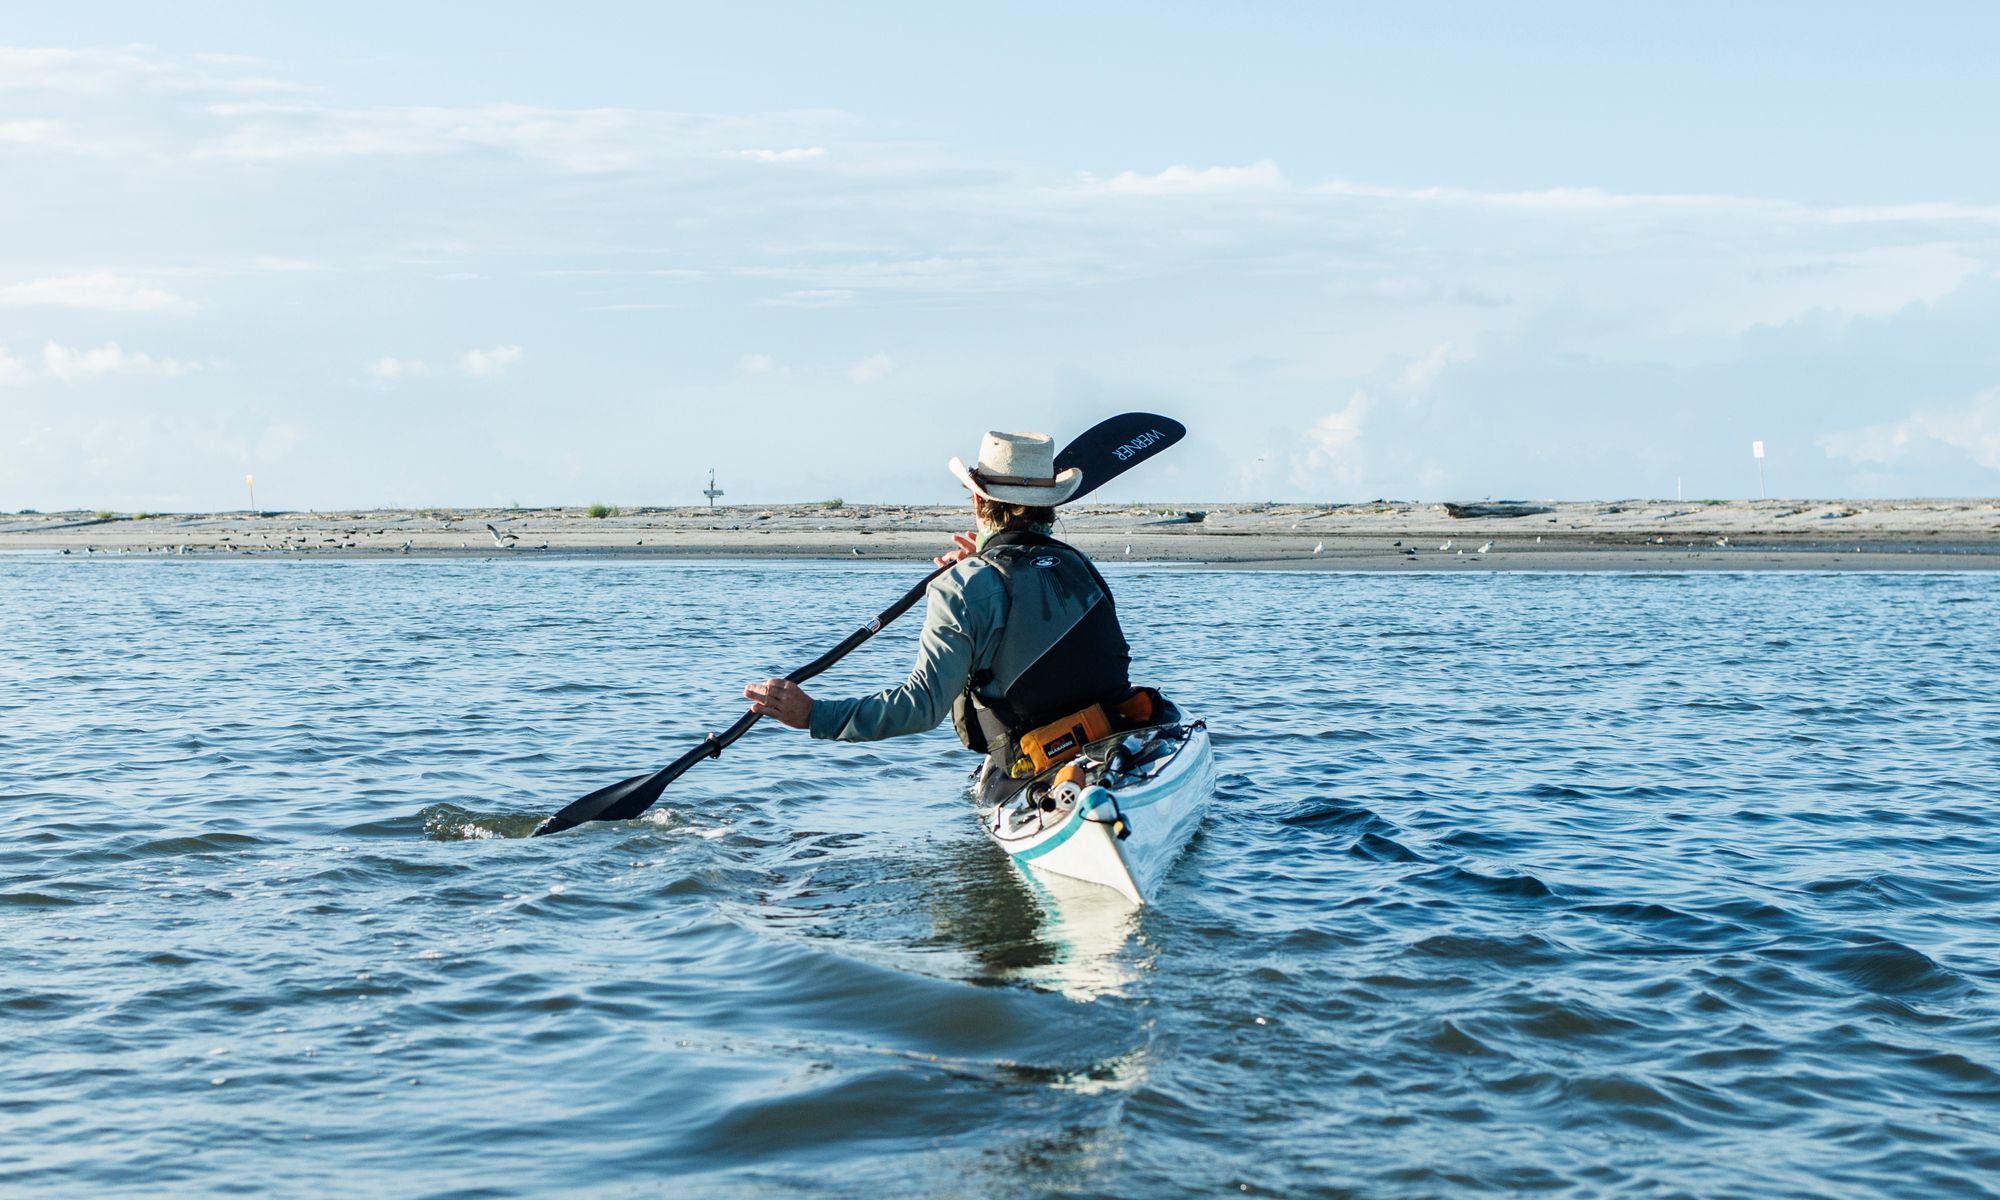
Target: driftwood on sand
x=1497, y=508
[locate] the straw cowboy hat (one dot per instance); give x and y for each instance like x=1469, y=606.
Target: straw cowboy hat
x=1018, y=468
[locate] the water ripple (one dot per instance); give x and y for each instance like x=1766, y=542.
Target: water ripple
x=1589, y=885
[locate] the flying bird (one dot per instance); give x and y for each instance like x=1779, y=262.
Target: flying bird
x=500, y=539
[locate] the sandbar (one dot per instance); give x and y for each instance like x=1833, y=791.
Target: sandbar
x=1382, y=535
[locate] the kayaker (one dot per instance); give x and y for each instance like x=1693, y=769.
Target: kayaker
x=1020, y=637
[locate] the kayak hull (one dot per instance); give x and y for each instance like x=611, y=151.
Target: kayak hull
x=1159, y=801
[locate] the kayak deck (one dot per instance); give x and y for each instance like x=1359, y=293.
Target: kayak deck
x=1152, y=784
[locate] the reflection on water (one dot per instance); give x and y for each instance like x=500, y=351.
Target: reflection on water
x=1089, y=931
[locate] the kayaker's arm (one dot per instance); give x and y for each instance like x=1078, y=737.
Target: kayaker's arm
x=962, y=611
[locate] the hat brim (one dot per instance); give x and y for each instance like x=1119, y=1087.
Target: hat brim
x=1007, y=493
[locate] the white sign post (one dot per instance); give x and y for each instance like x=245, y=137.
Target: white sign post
x=1757, y=452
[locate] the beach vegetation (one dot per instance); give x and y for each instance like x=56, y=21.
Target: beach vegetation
x=105, y=514
x=601, y=511
x=836, y=502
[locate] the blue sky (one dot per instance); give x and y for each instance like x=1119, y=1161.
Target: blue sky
x=473, y=254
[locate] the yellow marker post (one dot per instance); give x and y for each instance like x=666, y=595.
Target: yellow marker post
x=250, y=481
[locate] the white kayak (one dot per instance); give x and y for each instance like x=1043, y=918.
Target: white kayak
x=1142, y=795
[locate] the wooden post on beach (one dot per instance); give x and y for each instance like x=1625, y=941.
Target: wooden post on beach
x=1757, y=452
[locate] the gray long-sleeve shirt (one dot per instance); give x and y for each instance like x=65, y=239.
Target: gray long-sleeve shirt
x=964, y=610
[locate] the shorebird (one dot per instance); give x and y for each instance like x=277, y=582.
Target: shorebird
x=500, y=539
x=1445, y=547
x=1320, y=547
x=1128, y=550
x=1409, y=551
x=406, y=545
x=857, y=551
x=1485, y=548
x=1722, y=541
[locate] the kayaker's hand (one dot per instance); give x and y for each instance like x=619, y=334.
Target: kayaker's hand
x=781, y=699
x=963, y=548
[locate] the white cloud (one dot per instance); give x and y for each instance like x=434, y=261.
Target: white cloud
x=1337, y=433
x=1327, y=453
x=794, y=154
x=69, y=365
x=585, y=140
x=1424, y=370
x=675, y=273
x=871, y=369
x=388, y=371
x=487, y=363
x=814, y=298
x=107, y=72
x=104, y=291
x=270, y=262
x=839, y=277
x=756, y=364
x=12, y=370
x=1973, y=429
x=1870, y=283
x=32, y=133
x=1260, y=177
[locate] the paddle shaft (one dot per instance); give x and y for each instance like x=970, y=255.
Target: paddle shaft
x=717, y=743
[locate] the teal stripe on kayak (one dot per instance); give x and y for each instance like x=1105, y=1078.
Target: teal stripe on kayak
x=1075, y=821
x=1068, y=831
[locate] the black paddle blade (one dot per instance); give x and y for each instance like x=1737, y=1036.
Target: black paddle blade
x=619, y=802
x=1110, y=448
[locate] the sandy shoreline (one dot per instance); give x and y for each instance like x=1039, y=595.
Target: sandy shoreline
x=1566, y=536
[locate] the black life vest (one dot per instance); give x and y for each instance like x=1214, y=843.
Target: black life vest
x=1061, y=648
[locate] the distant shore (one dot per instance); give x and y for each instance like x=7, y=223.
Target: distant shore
x=1382, y=535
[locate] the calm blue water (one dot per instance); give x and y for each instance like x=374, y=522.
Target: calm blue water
x=1636, y=885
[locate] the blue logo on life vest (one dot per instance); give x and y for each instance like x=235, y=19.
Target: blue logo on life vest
x=1046, y=561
